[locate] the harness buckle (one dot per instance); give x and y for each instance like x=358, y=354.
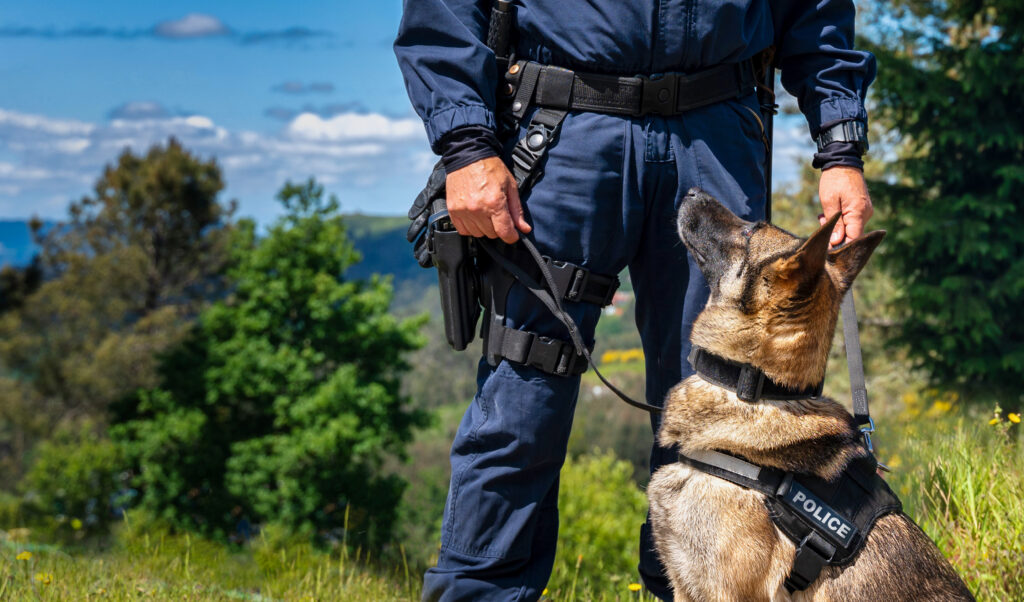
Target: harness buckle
x=658, y=95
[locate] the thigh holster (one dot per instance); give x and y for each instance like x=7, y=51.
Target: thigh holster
x=548, y=354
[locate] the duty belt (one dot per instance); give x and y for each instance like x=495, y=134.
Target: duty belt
x=557, y=90
x=667, y=94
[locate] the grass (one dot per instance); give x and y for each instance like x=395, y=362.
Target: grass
x=960, y=478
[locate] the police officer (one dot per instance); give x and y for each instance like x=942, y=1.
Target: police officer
x=610, y=190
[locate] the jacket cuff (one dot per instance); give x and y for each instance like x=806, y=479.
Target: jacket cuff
x=446, y=120
x=838, y=153
x=832, y=111
x=466, y=145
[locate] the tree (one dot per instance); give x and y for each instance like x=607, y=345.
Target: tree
x=284, y=401
x=120, y=280
x=950, y=82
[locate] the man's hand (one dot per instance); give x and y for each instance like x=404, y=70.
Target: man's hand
x=483, y=200
x=842, y=189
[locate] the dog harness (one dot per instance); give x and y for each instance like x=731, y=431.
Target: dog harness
x=829, y=521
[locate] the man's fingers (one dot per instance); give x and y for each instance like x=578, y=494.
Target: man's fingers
x=838, y=233
x=515, y=208
x=831, y=205
x=854, y=227
x=504, y=227
x=469, y=227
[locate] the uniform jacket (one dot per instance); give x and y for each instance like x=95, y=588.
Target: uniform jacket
x=452, y=78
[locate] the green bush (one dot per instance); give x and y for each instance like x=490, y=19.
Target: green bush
x=601, y=512
x=283, y=404
x=73, y=484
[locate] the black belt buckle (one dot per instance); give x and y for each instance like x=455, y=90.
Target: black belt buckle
x=659, y=94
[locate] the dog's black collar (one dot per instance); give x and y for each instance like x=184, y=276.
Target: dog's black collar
x=749, y=382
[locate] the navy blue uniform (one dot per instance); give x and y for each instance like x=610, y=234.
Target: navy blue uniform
x=607, y=200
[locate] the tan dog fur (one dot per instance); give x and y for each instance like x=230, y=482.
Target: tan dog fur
x=774, y=304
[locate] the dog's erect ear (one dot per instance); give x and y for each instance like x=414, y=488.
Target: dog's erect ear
x=850, y=258
x=808, y=261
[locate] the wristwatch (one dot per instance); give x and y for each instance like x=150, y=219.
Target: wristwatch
x=847, y=131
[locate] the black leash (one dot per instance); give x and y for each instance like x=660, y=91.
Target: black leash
x=552, y=299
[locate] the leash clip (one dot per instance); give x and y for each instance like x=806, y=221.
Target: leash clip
x=865, y=431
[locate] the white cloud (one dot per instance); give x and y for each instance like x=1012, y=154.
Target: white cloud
x=374, y=162
x=194, y=25
x=354, y=126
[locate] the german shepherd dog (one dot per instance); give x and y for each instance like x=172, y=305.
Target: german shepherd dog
x=774, y=304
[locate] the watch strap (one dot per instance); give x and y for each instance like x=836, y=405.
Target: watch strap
x=847, y=131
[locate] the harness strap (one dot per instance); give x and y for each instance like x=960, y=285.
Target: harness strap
x=812, y=555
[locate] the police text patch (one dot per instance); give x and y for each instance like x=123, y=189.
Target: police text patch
x=829, y=522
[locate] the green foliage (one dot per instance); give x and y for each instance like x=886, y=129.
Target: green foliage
x=16, y=284
x=950, y=83
x=284, y=402
x=964, y=484
x=74, y=481
x=601, y=509
x=123, y=276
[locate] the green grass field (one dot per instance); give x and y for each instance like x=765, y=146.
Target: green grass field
x=960, y=477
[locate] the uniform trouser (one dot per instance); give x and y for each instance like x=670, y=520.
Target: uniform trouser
x=607, y=200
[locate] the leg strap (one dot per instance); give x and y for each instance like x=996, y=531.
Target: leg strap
x=547, y=354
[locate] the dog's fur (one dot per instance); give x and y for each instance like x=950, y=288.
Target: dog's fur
x=774, y=304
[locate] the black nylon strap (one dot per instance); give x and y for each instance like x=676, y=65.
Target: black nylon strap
x=667, y=94
x=858, y=386
x=552, y=300
x=547, y=354
x=577, y=283
x=528, y=152
x=527, y=85
x=749, y=383
x=812, y=554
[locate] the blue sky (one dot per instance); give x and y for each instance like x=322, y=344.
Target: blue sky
x=274, y=90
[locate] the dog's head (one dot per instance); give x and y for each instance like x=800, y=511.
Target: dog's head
x=774, y=297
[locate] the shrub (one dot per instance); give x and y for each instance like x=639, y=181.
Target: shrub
x=601, y=512
x=74, y=481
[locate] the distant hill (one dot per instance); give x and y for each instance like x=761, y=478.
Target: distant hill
x=16, y=246
x=380, y=240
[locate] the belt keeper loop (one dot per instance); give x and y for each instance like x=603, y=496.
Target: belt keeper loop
x=579, y=280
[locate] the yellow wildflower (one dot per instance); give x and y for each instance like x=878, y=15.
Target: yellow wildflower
x=545, y=592
x=76, y=524
x=942, y=407
x=634, y=587
x=994, y=421
x=24, y=555
x=1014, y=418
x=44, y=578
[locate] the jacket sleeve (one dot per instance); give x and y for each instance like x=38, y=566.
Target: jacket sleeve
x=449, y=72
x=814, y=50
